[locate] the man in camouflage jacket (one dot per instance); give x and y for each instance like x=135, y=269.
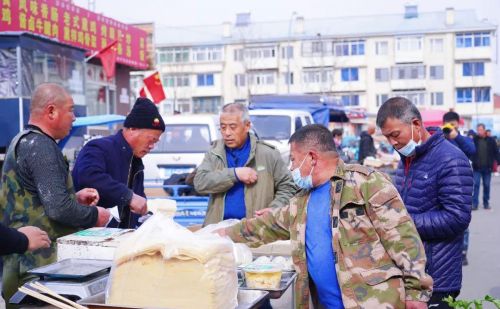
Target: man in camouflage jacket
x=379, y=258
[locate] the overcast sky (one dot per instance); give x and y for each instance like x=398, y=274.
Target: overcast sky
x=205, y=12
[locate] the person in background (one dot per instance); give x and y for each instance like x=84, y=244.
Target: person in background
x=451, y=121
x=354, y=244
x=434, y=179
x=243, y=175
x=337, y=139
x=113, y=164
x=366, y=144
x=37, y=188
x=482, y=163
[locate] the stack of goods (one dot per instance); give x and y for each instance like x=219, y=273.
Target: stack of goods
x=165, y=265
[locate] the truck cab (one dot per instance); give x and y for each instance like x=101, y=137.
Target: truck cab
x=276, y=126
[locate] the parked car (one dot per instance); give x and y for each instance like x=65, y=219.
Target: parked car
x=182, y=147
x=275, y=126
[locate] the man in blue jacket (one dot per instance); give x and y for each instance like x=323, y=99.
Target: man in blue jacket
x=451, y=120
x=434, y=179
x=113, y=164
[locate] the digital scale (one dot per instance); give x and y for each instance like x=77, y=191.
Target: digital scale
x=73, y=278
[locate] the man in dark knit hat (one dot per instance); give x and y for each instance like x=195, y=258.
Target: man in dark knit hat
x=113, y=164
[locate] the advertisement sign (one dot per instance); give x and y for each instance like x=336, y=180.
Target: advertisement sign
x=64, y=22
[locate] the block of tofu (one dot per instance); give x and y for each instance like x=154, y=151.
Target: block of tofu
x=164, y=265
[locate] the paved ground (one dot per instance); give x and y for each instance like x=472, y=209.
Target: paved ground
x=482, y=275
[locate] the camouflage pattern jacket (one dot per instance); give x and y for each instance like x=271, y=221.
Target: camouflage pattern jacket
x=380, y=259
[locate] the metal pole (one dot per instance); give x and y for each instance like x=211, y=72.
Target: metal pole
x=288, y=79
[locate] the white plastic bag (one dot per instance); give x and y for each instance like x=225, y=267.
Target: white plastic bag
x=242, y=253
x=165, y=265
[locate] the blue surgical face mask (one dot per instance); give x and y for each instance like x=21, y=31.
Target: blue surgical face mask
x=303, y=182
x=408, y=150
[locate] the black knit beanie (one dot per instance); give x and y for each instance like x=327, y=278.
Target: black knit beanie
x=144, y=115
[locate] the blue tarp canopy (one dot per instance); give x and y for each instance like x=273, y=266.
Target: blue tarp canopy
x=87, y=121
x=98, y=120
x=323, y=109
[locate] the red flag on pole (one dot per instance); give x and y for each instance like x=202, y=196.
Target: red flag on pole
x=108, y=59
x=155, y=87
x=142, y=93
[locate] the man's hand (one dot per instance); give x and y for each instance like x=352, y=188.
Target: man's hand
x=87, y=196
x=103, y=216
x=413, y=304
x=261, y=212
x=453, y=133
x=36, y=237
x=246, y=175
x=138, y=205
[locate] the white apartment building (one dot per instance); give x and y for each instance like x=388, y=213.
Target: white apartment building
x=439, y=60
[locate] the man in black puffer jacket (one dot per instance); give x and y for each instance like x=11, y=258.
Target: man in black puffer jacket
x=434, y=179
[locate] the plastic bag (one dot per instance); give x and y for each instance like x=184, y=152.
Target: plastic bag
x=162, y=264
x=242, y=253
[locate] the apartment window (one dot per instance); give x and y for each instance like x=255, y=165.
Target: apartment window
x=350, y=48
x=174, y=54
x=381, y=48
x=287, y=52
x=416, y=97
x=436, y=72
x=479, y=94
x=473, y=68
x=209, y=105
x=317, y=48
x=382, y=74
x=240, y=80
x=436, y=45
x=261, y=78
x=437, y=98
x=183, y=105
x=288, y=78
x=473, y=39
x=350, y=99
x=176, y=80
x=238, y=54
x=207, y=53
x=381, y=98
x=260, y=52
x=408, y=44
x=408, y=72
x=482, y=94
x=349, y=74
x=317, y=76
x=205, y=80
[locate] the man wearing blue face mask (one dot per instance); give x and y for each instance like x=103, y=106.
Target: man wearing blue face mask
x=434, y=179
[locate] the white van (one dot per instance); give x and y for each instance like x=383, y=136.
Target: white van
x=182, y=147
x=275, y=126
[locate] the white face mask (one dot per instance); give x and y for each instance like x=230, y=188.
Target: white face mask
x=408, y=150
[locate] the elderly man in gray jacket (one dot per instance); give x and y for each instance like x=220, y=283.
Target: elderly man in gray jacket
x=242, y=174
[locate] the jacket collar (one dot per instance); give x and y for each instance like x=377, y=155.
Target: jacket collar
x=123, y=144
x=432, y=142
x=339, y=171
x=220, y=150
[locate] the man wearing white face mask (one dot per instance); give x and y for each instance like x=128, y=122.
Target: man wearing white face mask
x=354, y=244
x=434, y=179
